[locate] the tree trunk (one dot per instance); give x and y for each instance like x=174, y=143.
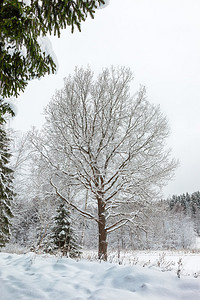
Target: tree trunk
x=102, y=251
x=84, y=220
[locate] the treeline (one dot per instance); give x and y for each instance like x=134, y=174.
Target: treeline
x=189, y=205
x=167, y=225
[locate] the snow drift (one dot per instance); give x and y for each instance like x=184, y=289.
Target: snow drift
x=31, y=276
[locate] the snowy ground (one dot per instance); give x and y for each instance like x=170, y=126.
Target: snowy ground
x=30, y=276
x=188, y=262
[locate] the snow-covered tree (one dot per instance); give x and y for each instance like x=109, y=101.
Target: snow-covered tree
x=23, y=25
x=25, y=51
x=6, y=188
x=101, y=139
x=64, y=238
x=26, y=224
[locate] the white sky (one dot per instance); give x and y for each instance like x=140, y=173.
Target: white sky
x=160, y=41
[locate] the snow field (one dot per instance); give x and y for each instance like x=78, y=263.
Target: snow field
x=42, y=277
x=187, y=261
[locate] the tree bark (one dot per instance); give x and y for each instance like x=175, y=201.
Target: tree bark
x=102, y=248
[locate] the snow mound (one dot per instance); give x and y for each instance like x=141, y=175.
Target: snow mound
x=31, y=276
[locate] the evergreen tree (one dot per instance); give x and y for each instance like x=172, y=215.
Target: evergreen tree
x=63, y=236
x=172, y=201
x=6, y=190
x=22, y=22
x=23, y=53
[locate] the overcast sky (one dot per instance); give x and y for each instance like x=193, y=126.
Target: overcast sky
x=160, y=41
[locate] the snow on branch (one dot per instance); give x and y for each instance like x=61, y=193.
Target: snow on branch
x=120, y=223
x=82, y=212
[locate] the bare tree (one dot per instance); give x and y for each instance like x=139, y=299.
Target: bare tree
x=100, y=138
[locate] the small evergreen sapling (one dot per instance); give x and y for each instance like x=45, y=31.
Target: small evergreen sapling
x=63, y=236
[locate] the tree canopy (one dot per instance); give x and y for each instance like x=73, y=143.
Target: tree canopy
x=23, y=25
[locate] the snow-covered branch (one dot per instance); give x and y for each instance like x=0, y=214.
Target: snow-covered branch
x=82, y=212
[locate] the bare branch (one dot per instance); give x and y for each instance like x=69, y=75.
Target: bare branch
x=82, y=212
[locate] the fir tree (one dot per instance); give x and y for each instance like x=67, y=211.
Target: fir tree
x=6, y=190
x=63, y=236
x=22, y=22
